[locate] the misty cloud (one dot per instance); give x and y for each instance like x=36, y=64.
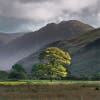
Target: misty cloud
x=34, y=13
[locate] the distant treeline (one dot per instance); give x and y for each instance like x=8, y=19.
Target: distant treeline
x=19, y=73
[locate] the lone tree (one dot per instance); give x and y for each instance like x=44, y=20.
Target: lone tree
x=53, y=65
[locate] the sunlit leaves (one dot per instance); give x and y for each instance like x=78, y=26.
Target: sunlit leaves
x=49, y=71
x=56, y=54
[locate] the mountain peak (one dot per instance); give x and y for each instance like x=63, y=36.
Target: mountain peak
x=75, y=23
x=73, y=27
x=68, y=24
x=71, y=21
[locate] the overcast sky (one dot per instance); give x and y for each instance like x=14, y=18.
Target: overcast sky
x=29, y=15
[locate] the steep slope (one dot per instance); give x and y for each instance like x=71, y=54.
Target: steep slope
x=31, y=42
x=6, y=38
x=85, y=51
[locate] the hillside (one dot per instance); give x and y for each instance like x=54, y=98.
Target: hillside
x=85, y=51
x=31, y=42
x=6, y=38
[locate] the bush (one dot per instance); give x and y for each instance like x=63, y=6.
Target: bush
x=3, y=75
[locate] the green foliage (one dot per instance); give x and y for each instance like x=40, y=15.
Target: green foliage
x=17, y=75
x=37, y=71
x=56, y=54
x=53, y=68
x=18, y=72
x=3, y=75
x=47, y=71
x=96, y=76
x=18, y=68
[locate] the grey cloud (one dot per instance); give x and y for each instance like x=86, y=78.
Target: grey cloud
x=32, y=1
x=40, y=12
x=13, y=25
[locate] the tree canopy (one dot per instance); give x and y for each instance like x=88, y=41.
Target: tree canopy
x=18, y=68
x=18, y=72
x=3, y=75
x=54, y=54
x=53, y=65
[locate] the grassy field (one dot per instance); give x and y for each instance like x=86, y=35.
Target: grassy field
x=45, y=90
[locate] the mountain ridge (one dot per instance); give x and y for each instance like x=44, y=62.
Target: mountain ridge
x=31, y=42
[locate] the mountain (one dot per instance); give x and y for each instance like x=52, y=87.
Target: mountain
x=31, y=42
x=85, y=52
x=6, y=38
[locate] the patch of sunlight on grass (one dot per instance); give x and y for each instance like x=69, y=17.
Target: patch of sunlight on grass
x=55, y=82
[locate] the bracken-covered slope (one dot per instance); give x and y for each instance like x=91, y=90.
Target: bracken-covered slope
x=31, y=42
x=85, y=52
